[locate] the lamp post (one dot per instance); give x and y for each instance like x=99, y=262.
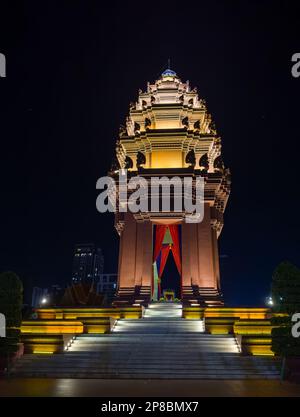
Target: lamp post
x=269, y=301
x=44, y=301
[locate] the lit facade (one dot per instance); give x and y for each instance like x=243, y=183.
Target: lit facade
x=169, y=132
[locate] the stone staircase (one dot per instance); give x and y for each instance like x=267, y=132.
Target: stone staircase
x=128, y=296
x=162, y=345
x=205, y=296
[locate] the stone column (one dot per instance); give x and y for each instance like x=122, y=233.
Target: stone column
x=207, y=276
x=194, y=254
x=216, y=257
x=185, y=255
x=139, y=253
x=147, y=254
x=190, y=264
x=128, y=253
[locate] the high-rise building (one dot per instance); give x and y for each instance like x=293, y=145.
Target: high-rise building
x=88, y=263
x=107, y=285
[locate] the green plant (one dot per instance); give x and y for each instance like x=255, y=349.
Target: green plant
x=11, y=290
x=286, y=302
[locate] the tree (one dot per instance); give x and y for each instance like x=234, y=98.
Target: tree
x=11, y=297
x=286, y=302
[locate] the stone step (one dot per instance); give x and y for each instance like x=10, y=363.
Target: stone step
x=142, y=342
x=160, y=323
x=148, y=375
x=140, y=369
x=166, y=341
x=146, y=372
x=145, y=346
x=205, y=357
x=116, y=336
x=153, y=332
x=147, y=354
x=208, y=356
x=145, y=341
x=154, y=329
x=152, y=374
x=162, y=345
x=139, y=363
x=94, y=365
x=121, y=360
x=155, y=324
x=154, y=304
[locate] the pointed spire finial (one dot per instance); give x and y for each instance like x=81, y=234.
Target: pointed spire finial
x=168, y=72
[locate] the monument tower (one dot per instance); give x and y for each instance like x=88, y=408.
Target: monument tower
x=168, y=133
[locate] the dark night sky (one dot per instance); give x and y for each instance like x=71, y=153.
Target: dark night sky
x=73, y=68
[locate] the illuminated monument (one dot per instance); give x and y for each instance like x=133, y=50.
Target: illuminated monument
x=169, y=132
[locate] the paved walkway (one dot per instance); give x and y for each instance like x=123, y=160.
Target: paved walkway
x=149, y=388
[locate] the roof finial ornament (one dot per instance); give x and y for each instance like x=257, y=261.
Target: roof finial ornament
x=168, y=72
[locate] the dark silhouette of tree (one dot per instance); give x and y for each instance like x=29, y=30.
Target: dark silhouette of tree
x=286, y=302
x=11, y=298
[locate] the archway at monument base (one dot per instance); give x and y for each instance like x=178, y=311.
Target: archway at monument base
x=166, y=246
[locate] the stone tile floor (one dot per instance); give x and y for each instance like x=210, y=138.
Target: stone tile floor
x=36, y=387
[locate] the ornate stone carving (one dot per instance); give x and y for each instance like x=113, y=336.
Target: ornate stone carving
x=140, y=159
x=191, y=158
x=128, y=163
